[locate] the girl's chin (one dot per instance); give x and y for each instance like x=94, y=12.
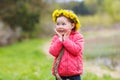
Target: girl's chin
x=62, y=33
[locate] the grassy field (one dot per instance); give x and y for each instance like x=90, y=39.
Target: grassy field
x=27, y=61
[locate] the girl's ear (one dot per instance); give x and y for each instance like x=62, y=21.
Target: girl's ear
x=72, y=25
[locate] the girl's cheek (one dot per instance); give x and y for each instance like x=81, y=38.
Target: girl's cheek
x=57, y=26
x=67, y=28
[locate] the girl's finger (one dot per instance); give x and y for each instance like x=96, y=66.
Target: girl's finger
x=68, y=32
x=57, y=33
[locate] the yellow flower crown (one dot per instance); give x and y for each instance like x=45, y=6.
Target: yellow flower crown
x=68, y=14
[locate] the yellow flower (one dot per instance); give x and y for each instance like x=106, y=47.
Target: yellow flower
x=66, y=14
x=61, y=11
x=77, y=26
x=71, y=16
x=54, y=15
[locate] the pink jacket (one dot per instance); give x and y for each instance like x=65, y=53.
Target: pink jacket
x=71, y=62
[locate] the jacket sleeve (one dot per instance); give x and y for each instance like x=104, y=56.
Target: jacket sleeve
x=74, y=47
x=55, y=46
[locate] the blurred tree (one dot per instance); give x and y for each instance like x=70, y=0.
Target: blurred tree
x=7, y=7
x=93, y=6
x=81, y=9
x=69, y=5
x=23, y=13
x=88, y=7
x=111, y=7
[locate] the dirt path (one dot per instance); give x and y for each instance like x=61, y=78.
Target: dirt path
x=45, y=49
x=99, y=71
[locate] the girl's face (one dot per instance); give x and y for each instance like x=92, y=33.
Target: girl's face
x=63, y=23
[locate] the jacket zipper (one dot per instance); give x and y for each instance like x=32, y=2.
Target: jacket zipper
x=78, y=69
x=67, y=64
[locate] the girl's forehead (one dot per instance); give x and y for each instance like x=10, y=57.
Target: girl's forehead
x=62, y=18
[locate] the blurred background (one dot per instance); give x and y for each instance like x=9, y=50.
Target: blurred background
x=26, y=29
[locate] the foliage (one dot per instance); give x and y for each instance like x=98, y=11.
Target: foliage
x=100, y=13
x=96, y=21
x=82, y=9
x=20, y=15
x=112, y=8
x=88, y=7
x=69, y=5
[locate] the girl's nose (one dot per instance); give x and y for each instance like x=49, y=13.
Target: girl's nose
x=60, y=26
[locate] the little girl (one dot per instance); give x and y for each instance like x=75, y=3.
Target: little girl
x=68, y=38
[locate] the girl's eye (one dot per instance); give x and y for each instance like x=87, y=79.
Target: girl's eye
x=63, y=24
x=58, y=24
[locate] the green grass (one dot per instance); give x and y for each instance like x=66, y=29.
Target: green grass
x=90, y=76
x=26, y=61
